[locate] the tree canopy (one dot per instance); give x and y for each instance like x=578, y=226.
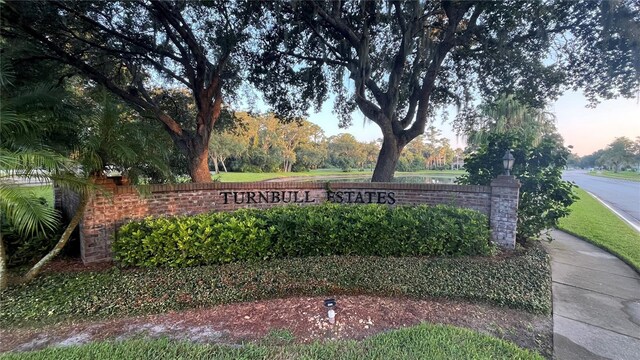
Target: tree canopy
x=398, y=61
x=145, y=53
x=505, y=115
x=620, y=152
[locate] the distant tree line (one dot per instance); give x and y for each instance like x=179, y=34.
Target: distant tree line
x=263, y=143
x=622, y=153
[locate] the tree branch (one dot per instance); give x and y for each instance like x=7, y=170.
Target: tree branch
x=120, y=35
x=338, y=25
x=312, y=25
x=142, y=55
x=399, y=60
x=370, y=110
x=186, y=58
x=471, y=26
x=13, y=17
x=175, y=19
x=455, y=12
x=314, y=59
x=378, y=94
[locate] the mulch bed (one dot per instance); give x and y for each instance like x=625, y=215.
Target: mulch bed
x=305, y=317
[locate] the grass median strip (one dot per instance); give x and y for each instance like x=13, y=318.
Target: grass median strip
x=520, y=281
x=419, y=342
x=623, y=175
x=593, y=222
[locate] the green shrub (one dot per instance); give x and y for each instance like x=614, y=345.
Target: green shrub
x=544, y=196
x=293, y=231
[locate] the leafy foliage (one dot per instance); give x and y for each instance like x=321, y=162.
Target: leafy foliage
x=113, y=138
x=544, y=196
x=505, y=115
x=21, y=248
x=345, y=152
x=521, y=280
x=428, y=151
x=328, y=229
x=25, y=154
x=622, y=151
x=603, y=56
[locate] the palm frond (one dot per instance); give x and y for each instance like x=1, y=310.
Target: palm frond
x=33, y=163
x=24, y=211
x=80, y=185
x=36, y=98
x=6, y=74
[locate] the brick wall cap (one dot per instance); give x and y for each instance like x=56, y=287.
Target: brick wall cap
x=506, y=181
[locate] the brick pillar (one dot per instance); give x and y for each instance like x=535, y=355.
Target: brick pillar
x=505, y=190
x=96, y=227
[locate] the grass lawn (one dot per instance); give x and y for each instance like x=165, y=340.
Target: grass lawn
x=593, y=222
x=44, y=191
x=250, y=177
x=520, y=281
x=625, y=175
x=418, y=342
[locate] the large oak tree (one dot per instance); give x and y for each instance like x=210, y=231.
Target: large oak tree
x=398, y=61
x=144, y=52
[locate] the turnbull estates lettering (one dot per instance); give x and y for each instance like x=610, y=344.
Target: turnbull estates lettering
x=361, y=197
x=305, y=197
x=266, y=197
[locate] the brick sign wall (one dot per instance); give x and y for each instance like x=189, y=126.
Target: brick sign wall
x=106, y=212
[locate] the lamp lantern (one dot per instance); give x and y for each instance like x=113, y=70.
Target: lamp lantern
x=507, y=162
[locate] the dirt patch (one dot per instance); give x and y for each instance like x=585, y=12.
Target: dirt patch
x=70, y=265
x=305, y=318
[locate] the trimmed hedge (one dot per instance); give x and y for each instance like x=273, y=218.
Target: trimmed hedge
x=294, y=231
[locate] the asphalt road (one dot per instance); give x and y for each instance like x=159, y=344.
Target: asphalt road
x=622, y=195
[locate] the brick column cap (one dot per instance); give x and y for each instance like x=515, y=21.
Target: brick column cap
x=506, y=181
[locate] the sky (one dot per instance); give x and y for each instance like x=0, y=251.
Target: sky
x=586, y=129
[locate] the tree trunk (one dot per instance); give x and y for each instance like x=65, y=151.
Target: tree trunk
x=215, y=162
x=387, y=160
x=195, y=148
x=223, y=165
x=199, y=165
x=35, y=270
x=4, y=272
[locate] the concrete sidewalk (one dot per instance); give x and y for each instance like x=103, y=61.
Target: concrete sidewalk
x=596, y=302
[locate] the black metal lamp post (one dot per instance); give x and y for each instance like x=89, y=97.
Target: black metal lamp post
x=507, y=162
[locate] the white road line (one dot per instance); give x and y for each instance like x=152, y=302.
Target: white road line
x=634, y=226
